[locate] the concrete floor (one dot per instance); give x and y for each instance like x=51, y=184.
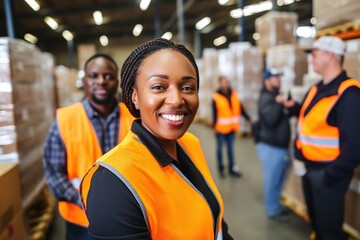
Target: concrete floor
x=243, y=197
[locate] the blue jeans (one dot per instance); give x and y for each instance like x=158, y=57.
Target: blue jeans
x=229, y=139
x=76, y=232
x=275, y=162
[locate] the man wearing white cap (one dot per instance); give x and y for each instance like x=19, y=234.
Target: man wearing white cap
x=328, y=137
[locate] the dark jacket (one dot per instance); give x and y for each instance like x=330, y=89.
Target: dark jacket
x=274, y=120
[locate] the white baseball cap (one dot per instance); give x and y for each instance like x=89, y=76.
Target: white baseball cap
x=330, y=44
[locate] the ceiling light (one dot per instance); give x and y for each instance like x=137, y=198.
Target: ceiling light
x=203, y=23
x=98, y=18
x=313, y=20
x=104, y=41
x=220, y=40
x=287, y=2
x=251, y=9
x=167, y=35
x=33, y=4
x=51, y=22
x=30, y=38
x=144, y=4
x=237, y=29
x=306, y=32
x=256, y=36
x=280, y=2
x=67, y=35
x=137, y=30
x=223, y=2
x=236, y=13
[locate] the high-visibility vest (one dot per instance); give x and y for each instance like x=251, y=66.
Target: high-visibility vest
x=317, y=140
x=228, y=117
x=172, y=207
x=82, y=150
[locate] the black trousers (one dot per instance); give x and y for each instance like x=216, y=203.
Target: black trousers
x=326, y=204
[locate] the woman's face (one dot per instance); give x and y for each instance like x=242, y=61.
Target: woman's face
x=166, y=94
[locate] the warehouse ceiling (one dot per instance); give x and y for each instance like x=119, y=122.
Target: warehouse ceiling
x=120, y=17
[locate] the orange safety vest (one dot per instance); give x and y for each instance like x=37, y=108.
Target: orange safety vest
x=82, y=150
x=228, y=118
x=172, y=207
x=317, y=140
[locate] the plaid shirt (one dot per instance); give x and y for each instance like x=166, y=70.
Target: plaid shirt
x=54, y=158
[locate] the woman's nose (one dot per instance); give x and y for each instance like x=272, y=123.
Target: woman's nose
x=174, y=97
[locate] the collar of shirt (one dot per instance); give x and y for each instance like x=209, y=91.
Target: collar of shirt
x=150, y=141
x=227, y=94
x=92, y=113
x=332, y=87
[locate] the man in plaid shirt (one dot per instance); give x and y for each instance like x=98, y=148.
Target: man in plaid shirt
x=82, y=133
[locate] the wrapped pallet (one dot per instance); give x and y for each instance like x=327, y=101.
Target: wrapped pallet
x=248, y=64
x=26, y=110
x=66, y=89
x=291, y=60
x=276, y=28
x=209, y=75
x=330, y=13
x=352, y=58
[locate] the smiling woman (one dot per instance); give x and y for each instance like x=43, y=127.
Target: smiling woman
x=156, y=184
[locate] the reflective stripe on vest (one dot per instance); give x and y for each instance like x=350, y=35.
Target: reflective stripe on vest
x=82, y=150
x=317, y=140
x=167, y=199
x=228, y=118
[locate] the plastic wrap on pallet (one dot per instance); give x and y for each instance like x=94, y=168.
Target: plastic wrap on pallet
x=248, y=65
x=329, y=13
x=209, y=75
x=26, y=108
x=66, y=89
x=276, y=28
x=352, y=58
x=291, y=60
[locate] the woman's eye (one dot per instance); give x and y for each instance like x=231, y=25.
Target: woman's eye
x=188, y=88
x=158, y=87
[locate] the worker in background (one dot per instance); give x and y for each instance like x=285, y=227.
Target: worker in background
x=273, y=143
x=82, y=133
x=156, y=184
x=328, y=136
x=227, y=110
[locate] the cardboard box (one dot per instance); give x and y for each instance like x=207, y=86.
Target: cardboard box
x=10, y=194
x=15, y=230
x=334, y=12
x=276, y=28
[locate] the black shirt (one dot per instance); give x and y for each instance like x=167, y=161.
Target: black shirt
x=111, y=200
x=345, y=115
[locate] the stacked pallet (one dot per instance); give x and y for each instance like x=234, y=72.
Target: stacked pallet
x=26, y=112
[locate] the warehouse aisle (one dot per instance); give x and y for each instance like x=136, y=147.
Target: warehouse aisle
x=244, y=209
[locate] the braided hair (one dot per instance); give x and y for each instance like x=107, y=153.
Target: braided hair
x=131, y=66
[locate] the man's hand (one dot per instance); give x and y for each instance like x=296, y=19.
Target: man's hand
x=289, y=103
x=280, y=98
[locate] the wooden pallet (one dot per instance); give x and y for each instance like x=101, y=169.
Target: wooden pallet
x=345, y=31
x=301, y=211
x=298, y=208
x=39, y=215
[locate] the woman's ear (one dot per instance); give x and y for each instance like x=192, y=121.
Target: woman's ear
x=134, y=98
